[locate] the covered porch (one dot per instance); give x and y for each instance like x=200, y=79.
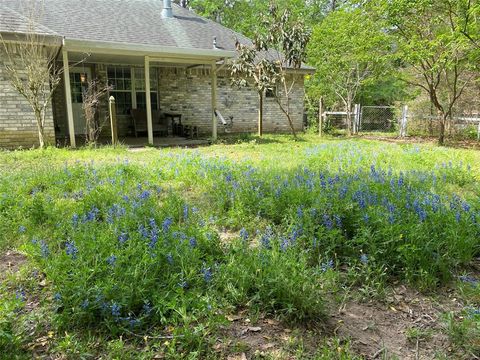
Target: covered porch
x=163, y=97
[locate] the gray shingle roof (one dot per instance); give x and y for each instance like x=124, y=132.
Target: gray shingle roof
x=129, y=21
x=15, y=23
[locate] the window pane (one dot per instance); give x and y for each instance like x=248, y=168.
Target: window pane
x=142, y=100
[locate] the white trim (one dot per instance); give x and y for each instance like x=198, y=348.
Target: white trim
x=214, y=99
x=68, y=98
x=109, y=47
x=134, y=89
x=148, y=100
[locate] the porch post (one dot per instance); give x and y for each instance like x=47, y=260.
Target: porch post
x=214, y=100
x=68, y=98
x=149, y=100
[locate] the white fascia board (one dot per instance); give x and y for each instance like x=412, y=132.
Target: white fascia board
x=114, y=48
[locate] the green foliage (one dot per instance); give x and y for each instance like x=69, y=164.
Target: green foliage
x=350, y=51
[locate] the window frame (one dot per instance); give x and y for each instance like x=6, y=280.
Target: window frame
x=133, y=86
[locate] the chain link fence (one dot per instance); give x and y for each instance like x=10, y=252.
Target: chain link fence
x=379, y=119
x=461, y=125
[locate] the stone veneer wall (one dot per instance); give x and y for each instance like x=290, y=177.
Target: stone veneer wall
x=189, y=92
x=18, y=127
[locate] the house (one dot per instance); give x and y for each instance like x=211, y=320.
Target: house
x=158, y=57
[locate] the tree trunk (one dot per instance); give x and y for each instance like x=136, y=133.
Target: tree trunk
x=349, y=118
x=441, y=136
x=40, y=128
x=260, y=113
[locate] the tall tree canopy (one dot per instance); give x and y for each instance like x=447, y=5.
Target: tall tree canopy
x=430, y=42
x=349, y=50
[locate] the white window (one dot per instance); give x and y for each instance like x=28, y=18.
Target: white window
x=128, y=96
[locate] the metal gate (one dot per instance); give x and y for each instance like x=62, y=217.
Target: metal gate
x=378, y=119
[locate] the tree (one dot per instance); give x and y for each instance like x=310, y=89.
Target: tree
x=246, y=68
x=92, y=96
x=429, y=38
x=271, y=57
x=289, y=37
x=349, y=50
x=32, y=68
x=242, y=16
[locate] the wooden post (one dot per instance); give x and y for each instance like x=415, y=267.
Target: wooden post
x=260, y=114
x=214, y=100
x=478, y=131
x=113, y=120
x=149, y=101
x=320, y=116
x=68, y=98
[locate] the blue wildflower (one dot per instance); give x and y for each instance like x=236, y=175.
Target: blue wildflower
x=470, y=280
x=20, y=295
x=327, y=221
x=123, y=238
x=147, y=309
x=22, y=229
x=193, y=242
x=299, y=211
x=75, y=219
x=183, y=284
x=244, y=234
x=185, y=212
x=170, y=259
x=364, y=259
x=57, y=297
x=111, y=260
x=144, y=195
x=71, y=249
x=115, y=310
x=44, y=249
x=166, y=224
x=207, y=274
x=85, y=304
x=326, y=265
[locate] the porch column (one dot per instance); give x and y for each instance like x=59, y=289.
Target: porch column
x=149, y=100
x=214, y=100
x=68, y=98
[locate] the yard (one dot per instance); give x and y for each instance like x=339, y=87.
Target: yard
x=268, y=249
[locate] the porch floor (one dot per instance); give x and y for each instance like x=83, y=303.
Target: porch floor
x=139, y=142
x=170, y=141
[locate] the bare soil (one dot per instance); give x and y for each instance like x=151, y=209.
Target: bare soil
x=375, y=330
x=11, y=262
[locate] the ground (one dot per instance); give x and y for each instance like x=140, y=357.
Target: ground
x=365, y=310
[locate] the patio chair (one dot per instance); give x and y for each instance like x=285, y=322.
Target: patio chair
x=159, y=123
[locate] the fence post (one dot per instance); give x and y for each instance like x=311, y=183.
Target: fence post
x=478, y=131
x=403, y=121
x=320, y=116
x=356, y=119
x=113, y=120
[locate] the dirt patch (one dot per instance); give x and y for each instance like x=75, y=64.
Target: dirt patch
x=11, y=262
x=407, y=326
x=242, y=339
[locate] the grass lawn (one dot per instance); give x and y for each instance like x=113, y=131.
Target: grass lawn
x=251, y=248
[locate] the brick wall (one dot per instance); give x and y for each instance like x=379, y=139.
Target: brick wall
x=18, y=127
x=188, y=91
